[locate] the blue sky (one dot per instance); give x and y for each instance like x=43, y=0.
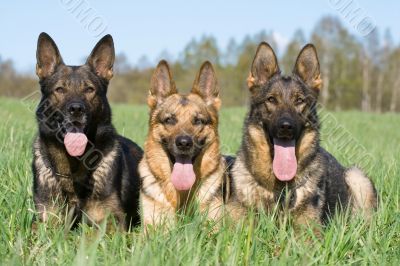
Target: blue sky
x=150, y=27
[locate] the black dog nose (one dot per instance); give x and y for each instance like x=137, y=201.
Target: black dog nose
x=76, y=109
x=286, y=129
x=184, y=142
x=285, y=125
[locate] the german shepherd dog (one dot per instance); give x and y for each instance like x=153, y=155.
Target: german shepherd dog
x=81, y=166
x=281, y=162
x=182, y=162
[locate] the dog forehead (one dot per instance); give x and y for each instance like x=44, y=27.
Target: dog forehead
x=82, y=73
x=184, y=105
x=286, y=86
x=73, y=76
x=63, y=72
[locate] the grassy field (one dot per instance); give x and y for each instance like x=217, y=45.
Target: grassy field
x=370, y=140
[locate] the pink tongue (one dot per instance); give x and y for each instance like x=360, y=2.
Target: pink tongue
x=182, y=176
x=75, y=143
x=285, y=163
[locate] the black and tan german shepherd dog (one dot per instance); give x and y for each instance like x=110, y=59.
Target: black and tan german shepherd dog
x=281, y=162
x=182, y=163
x=81, y=166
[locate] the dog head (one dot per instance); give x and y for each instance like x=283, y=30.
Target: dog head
x=184, y=124
x=74, y=99
x=284, y=105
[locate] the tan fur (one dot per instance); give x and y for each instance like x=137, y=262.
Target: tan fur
x=305, y=213
x=97, y=211
x=250, y=81
x=248, y=191
x=260, y=158
x=317, y=83
x=104, y=168
x=45, y=173
x=362, y=191
x=305, y=142
x=159, y=199
x=47, y=178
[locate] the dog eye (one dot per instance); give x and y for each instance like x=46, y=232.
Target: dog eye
x=271, y=99
x=89, y=89
x=60, y=90
x=198, y=121
x=169, y=121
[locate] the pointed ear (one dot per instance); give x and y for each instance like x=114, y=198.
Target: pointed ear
x=47, y=55
x=307, y=67
x=101, y=59
x=162, y=84
x=264, y=66
x=206, y=85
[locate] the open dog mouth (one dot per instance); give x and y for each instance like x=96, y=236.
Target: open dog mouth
x=182, y=174
x=75, y=140
x=284, y=162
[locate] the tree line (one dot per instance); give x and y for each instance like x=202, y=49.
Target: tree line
x=358, y=73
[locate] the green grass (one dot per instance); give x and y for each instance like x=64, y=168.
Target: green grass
x=191, y=243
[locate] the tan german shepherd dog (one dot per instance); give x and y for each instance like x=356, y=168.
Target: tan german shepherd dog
x=182, y=163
